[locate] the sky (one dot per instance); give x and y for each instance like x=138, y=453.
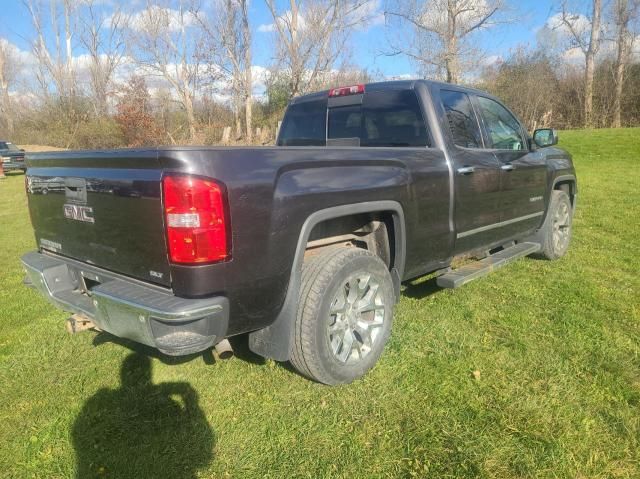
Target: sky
x=368, y=43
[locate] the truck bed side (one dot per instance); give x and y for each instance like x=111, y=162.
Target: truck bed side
x=272, y=192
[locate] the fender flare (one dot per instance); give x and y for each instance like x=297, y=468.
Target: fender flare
x=563, y=178
x=552, y=186
x=275, y=340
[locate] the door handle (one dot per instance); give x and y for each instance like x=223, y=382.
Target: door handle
x=507, y=167
x=466, y=170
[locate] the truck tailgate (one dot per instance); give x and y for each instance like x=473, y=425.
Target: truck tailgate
x=102, y=208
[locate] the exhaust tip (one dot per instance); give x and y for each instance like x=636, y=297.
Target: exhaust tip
x=223, y=349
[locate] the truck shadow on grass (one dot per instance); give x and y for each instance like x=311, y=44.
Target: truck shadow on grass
x=416, y=289
x=142, y=429
x=239, y=343
x=422, y=289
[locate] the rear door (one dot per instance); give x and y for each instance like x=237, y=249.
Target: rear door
x=101, y=208
x=476, y=174
x=523, y=173
x=390, y=123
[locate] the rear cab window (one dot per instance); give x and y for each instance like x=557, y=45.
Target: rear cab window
x=382, y=118
x=305, y=124
x=389, y=118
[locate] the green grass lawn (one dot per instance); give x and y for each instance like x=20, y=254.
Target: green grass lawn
x=556, y=344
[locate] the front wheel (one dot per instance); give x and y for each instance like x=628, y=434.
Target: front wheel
x=555, y=234
x=344, y=316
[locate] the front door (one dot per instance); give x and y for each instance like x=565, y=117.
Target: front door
x=523, y=173
x=476, y=175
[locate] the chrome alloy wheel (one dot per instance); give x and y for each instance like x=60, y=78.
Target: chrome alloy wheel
x=357, y=314
x=561, y=227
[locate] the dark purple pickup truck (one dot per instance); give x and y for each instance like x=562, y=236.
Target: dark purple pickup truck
x=303, y=245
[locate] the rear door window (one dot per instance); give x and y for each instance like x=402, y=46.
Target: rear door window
x=390, y=118
x=462, y=120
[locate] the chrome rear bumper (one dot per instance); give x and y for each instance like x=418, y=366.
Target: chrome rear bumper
x=127, y=308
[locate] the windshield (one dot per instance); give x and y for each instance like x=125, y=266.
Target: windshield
x=5, y=145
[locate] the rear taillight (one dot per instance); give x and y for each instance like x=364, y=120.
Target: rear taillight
x=196, y=219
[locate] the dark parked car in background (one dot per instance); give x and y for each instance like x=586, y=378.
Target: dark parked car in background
x=12, y=157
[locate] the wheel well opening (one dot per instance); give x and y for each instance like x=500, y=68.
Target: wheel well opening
x=569, y=187
x=371, y=231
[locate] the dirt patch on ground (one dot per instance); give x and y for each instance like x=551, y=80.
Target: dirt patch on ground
x=39, y=148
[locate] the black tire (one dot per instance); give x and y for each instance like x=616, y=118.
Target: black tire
x=555, y=234
x=326, y=278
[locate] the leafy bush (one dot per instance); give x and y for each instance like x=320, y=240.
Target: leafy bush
x=98, y=133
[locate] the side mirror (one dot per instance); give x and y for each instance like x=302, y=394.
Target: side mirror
x=21, y=149
x=545, y=137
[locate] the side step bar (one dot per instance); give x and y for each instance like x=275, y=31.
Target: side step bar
x=478, y=269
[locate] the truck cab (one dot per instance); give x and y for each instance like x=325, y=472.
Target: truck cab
x=497, y=175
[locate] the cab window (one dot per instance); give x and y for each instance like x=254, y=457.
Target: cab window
x=462, y=120
x=503, y=129
x=390, y=118
x=305, y=124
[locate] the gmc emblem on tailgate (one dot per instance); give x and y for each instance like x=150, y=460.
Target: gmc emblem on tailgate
x=78, y=213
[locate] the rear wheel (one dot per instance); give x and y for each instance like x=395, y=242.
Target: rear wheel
x=555, y=234
x=344, y=316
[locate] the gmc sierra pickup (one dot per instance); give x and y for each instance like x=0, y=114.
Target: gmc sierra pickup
x=303, y=245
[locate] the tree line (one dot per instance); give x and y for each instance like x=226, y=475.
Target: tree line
x=180, y=71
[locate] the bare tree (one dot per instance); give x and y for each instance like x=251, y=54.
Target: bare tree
x=248, y=77
x=312, y=36
x=625, y=12
x=103, y=38
x=438, y=34
x=348, y=74
x=55, y=63
x=588, y=41
x=229, y=52
x=166, y=43
x=8, y=72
